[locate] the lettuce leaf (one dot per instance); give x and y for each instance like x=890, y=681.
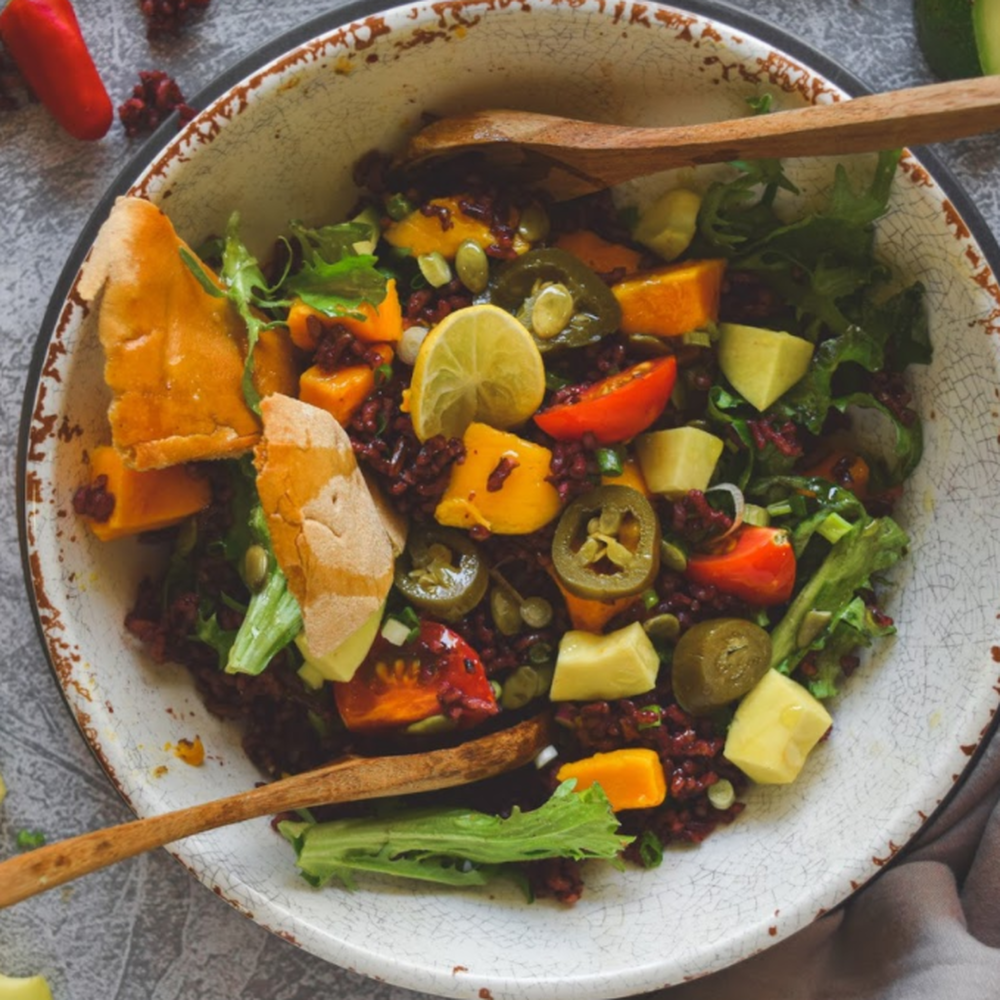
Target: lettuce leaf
x=870, y=547
x=457, y=846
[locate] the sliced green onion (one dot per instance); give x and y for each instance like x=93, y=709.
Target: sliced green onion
x=697, y=338
x=609, y=461
x=383, y=373
x=651, y=849
x=834, y=527
x=755, y=515
x=434, y=268
x=722, y=794
x=395, y=631
x=650, y=598
x=398, y=206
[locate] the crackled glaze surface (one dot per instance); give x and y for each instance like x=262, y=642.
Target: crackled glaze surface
x=280, y=145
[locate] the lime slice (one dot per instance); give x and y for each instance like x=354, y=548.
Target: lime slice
x=946, y=37
x=986, y=25
x=480, y=364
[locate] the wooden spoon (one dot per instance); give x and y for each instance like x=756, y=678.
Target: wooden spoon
x=575, y=157
x=348, y=780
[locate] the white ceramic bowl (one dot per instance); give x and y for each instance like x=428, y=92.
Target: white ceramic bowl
x=279, y=144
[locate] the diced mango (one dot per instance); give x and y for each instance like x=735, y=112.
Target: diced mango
x=341, y=392
x=775, y=727
x=145, y=501
x=524, y=503
x=598, y=667
x=445, y=233
x=589, y=615
x=599, y=254
x=632, y=778
x=377, y=324
x=671, y=300
x=631, y=476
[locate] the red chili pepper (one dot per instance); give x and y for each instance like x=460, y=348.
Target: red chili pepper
x=438, y=673
x=616, y=408
x=43, y=37
x=756, y=564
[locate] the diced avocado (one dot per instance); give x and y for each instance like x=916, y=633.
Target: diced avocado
x=668, y=226
x=774, y=728
x=24, y=988
x=342, y=662
x=596, y=667
x=760, y=364
x=677, y=460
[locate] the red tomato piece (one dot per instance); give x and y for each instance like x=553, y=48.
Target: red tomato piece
x=616, y=408
x=756, y=564
x=437, y=673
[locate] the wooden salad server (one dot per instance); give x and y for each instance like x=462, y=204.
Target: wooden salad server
x=570, y=158
x=347, y=780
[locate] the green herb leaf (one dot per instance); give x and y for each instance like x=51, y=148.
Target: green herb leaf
x=458, y=846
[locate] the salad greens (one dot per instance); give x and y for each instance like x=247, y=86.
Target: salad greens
x=457, y=846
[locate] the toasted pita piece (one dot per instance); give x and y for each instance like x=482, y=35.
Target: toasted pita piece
x=173, y=353
x=326, y=531
x=396, y=525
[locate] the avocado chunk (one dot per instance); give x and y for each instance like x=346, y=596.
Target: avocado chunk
x=774, y=728
x=668, y=226
x=593, y=667
x=340, y=664
x=761, y=365
x=678, y=460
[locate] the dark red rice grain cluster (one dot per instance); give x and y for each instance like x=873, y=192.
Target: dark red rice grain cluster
x=889, y=388
x=94, y=501
x=573, y=467
x=337, y=347
x=428, y=306
x=169, y=17
x=693, y=519
x=153, y=100
x=783, y=434
x=414, y=475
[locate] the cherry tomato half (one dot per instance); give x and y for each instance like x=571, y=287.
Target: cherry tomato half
x=756, y=564
x=437, y=673
x=616, y=408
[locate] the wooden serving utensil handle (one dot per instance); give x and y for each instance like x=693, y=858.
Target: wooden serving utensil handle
x=606, y=154
x=351, y=779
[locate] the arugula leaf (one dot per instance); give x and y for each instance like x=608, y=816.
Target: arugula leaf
x=457, y=846
x=872, y=546
x=208, y=631
x=854, y=627
x=338, y=288
x=249, y=291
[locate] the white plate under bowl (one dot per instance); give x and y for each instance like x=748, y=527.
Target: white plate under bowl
x=276, y=141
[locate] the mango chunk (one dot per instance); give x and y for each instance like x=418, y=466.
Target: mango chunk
x=524, y=503
x=145, y=501
x=445, y=232
x=672, y=300
x=373, y=324
x=341, y=392
x=775, y=727
x=762, y=365
x=632, y=778
x=598, y=253
x=597, y=667
x=678, y=460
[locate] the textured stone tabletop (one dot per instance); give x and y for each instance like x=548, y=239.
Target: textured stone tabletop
x=147, y=929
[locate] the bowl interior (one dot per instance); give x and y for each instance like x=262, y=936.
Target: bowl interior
x=281, y=145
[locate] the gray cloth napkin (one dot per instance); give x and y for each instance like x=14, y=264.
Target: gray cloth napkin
x=928, y=928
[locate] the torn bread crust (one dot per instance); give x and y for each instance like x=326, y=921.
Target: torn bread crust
x=325, y=529
x=173, y=353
